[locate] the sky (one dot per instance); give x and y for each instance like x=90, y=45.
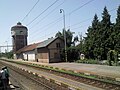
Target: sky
x=43, y=18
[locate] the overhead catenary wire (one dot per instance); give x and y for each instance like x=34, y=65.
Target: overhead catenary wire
x=43, y=36
x=59, y=19
x=69, y=13
x=34, y=35
x=48, y=14
x=71, y=29
x=89, y=19
x=78, y=9
x=42, y=12
x=47, y=25
x=51, y=33
x=66, y=15
x=81, y=6
x=83, y=20
x=30, y=10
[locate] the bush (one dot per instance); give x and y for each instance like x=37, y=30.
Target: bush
x=104, y=62
x=88, y=61
x=119, y=63
x=112, y=57
x=72, y=54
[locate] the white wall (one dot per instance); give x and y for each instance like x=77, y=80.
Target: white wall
x=29, y=55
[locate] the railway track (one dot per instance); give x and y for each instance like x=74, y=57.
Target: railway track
x=39, y=81
x=21, y=72
x=90, y=81
x=94, y=82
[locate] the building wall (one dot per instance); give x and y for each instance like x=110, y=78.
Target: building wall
x=29, y=55
x=54, y=55
x=19, y=42
x=43, y=55
x=19, y=37
x=51, y=53
x=54, y=50
x=53, y=44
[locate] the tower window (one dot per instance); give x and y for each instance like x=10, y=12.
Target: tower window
x=21, y=32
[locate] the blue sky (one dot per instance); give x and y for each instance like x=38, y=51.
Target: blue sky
x=51, y=21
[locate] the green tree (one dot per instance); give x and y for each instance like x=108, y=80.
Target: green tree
x=116, y=33
x=96, y=36
x=102, y=36
x=73, y=54
x=59, y=34
x=69, y=36
x=75, y=40
x=92, y=39
x=99, y=41
x=105, y=33
x=7, y=54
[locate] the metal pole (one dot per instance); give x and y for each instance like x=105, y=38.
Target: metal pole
x=61, y=10
x=0, y=52
x=7, y=45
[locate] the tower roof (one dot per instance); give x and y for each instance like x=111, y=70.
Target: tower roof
x=19, y=25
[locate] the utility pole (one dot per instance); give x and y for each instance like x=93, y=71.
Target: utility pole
x=81, y=40
x=0, y=52
x=7, y=46
x=62, y=11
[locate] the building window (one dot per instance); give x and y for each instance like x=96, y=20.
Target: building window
x=58, y=45
x=21, y=32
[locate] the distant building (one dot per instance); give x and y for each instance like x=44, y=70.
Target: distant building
x=47, y=51
x=19, y=37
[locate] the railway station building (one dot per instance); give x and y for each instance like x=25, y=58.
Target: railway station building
x=47, y=51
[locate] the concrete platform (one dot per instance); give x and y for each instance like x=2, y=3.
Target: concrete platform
x=102, y=70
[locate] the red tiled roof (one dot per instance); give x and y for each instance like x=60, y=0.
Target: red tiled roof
x=28, y=48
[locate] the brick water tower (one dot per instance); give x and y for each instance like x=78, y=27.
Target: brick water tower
x=19, y=37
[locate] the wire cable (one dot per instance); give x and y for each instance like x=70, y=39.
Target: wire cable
x=89, y=19
x=83, y=20
x=66, y=15
x=42, y=12
x=51, y=33
x=38, y=30
x=30, y=10
x=81, y=6
x=48, y=14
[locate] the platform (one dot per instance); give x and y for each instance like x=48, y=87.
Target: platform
x=102, y=70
